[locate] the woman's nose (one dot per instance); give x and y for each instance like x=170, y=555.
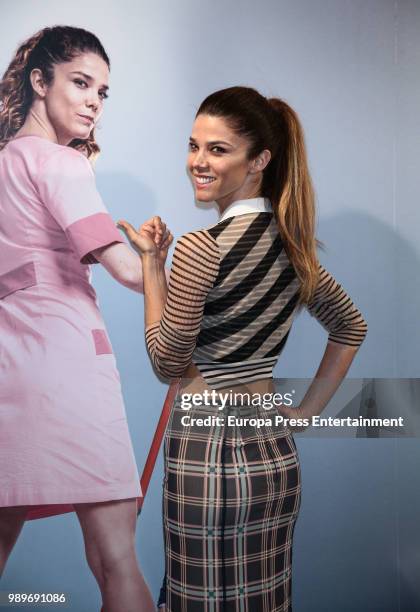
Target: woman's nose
x=93, y=102
x=200, y=160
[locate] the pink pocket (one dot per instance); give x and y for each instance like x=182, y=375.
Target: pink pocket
x=102, y=344
x=21, y=277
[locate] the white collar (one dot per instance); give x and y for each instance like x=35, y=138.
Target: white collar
x=242, y=207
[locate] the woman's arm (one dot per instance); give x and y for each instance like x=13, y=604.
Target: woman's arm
x=124, y=265
x=173, y=315
x=347, y=329
x=156, y=288
x=334, y=365
x=172, y=332
x=67, y=189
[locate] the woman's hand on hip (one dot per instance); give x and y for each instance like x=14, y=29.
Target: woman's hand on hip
x=294, y=418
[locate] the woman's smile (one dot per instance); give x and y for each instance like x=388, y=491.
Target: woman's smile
x=203, y=181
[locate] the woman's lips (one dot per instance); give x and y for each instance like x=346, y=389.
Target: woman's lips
x=86, y=119
x=202, y=182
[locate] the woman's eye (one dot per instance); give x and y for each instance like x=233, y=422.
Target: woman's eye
x=80, y=83
x=218, y=150
x=192, y=146
x=103, y=95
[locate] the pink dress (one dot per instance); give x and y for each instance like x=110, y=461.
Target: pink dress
x=63, y=429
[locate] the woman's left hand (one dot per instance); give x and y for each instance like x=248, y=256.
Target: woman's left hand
x=152, y=238
x=295, y=416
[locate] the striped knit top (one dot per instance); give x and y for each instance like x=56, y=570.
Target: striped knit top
x=232, y=297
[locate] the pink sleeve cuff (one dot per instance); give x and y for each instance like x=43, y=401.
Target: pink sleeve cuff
x=90, y=233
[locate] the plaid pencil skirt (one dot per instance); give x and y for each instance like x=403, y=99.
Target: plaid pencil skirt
x=231, y=497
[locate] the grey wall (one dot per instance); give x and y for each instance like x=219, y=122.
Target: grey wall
x=350, y=69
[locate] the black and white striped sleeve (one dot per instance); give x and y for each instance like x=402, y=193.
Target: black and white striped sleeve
x=195, y=266
x=334, y=309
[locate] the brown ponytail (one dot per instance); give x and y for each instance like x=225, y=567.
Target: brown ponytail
x=273, y=125
x=46, y=48
x=288, y=185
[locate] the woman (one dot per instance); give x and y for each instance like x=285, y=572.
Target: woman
x=63, y=429
x=232, y=493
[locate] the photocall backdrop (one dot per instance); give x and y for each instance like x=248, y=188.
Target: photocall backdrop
x=350, y=69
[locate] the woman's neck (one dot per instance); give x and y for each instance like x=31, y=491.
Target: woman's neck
x=36, y=124
x=248, y=194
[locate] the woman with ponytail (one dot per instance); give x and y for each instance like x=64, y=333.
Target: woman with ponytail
x=232, y=479
x=64, y=440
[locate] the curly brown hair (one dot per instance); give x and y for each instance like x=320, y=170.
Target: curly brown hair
x=43, y=50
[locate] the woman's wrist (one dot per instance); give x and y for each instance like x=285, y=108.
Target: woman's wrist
x=150, y=257
x=152, y=265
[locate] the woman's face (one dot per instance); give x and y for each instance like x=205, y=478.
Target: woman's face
x=74, y=100
x=218, y=163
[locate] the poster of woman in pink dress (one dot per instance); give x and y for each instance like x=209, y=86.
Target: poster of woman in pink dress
x=64, y=440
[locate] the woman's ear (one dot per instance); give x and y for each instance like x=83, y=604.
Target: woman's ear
x=37, y=81
x=260, y=162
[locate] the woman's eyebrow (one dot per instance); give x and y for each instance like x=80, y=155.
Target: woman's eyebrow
x=88, y=77
x=216, y=142
x=213, y=142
